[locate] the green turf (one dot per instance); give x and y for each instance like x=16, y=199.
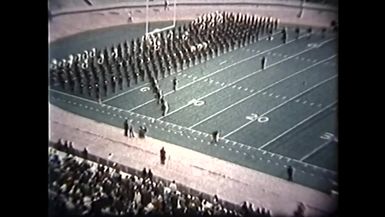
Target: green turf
x=214, y=81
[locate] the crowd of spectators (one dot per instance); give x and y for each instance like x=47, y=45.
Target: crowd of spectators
x=81, y=187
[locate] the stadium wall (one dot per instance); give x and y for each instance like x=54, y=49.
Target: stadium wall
x=69, y=21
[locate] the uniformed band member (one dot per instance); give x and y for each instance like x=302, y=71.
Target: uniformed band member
x=164, y=107
x=271, y=35
x=175, y=83
x=102, y=72
x=160, y=96
x=284, y=35
x=215, y=136
x=263, y=62
x=297, y=31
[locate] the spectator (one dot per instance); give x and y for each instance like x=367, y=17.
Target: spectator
x=144, y=173
x=174, y=202
x=84, y=190
x=173, y=186
x=244, y=209
x=71, y=147
x=150, y=174
x=149, y=208
x=85, y=153
x=251, y=208
x=300, y=212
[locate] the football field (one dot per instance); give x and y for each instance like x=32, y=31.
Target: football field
x=268, y=119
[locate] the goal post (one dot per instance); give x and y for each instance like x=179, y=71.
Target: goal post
x=168, y=9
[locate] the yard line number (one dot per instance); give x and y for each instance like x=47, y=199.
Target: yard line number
x=260, y=119
x=329, y=136
x=144, y=89
x=196, y=102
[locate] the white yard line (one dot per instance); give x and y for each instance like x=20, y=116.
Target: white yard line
x=298, y=124
x=196, y=131
x=315, y=150
x=221, y=63
x=56, y=91
x=242, y=78
x=219, y=70
x=128, y=91
x=281, y=104
x=259, y=91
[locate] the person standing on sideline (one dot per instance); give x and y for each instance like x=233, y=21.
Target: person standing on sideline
x=297, y=31
x=162, y=156
x=175, y=83
x=165, y=4
x=131, y=130
x=290, y=173
x=263, y=61
x=215, y=136
x=125, y=127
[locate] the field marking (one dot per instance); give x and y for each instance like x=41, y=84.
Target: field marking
x=244, y=77
x=296, y=125
x=233, y=142
x=259, y=91
x=74, y=96
x=316, y=149
x=205, y=134
x=219, y=70
x=282, y=104
x=223, y=62
x=128, y=91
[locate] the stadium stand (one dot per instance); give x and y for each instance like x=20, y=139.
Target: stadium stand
x=80, y=187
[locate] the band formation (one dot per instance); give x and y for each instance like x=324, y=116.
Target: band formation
x=98, y=74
